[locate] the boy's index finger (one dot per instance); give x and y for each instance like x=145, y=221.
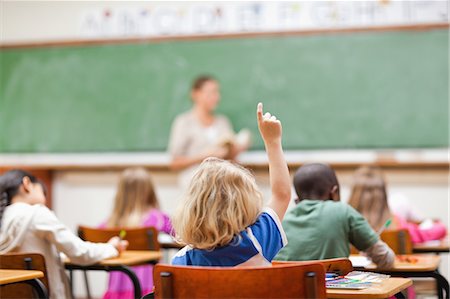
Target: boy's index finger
x=259, y=112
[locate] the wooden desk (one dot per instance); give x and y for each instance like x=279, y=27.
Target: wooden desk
x=425, y=265
x=442, y=246
x=30, y=277
x=386, y=289
x=170, y=245
x=122, y=264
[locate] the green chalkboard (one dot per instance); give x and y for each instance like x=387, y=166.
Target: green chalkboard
x=354, y=90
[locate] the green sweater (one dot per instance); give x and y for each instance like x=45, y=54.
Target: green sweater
x=318, y=229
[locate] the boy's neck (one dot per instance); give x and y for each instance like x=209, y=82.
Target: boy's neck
x=298, y=200
x=22, y=199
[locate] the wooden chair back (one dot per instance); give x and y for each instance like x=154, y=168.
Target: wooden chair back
x=22, y=261
x=341, y=266
x=281, y=281
x=143, y=238
x=399, y=240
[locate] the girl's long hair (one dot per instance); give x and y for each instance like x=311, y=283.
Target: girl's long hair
x=135, y=196
x=369, y=196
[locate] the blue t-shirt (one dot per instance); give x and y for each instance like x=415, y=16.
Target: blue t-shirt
x=255, y=246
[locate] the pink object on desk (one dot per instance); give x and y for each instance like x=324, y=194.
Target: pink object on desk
x=436, y=231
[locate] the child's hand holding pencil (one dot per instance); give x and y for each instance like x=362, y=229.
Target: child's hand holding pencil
x=118, y=242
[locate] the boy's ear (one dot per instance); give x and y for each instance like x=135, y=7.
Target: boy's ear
x=334, y=193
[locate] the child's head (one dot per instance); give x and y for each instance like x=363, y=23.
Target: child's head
x=135, y=196
x=221, y=201
x=316, y=181
x=369, y=197
x=18, y=185
x=205, y=92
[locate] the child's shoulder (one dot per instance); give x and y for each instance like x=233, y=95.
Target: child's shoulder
x=154, y=217
x=268, y=216
x=325, y=208
x=340, y=207
x=24, y=208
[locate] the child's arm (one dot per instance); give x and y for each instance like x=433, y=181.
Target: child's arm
x=271, y=131
x=48, y=227
x=381, y=255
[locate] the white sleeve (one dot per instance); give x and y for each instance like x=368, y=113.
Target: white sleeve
x=381, y=255
x=47, y=226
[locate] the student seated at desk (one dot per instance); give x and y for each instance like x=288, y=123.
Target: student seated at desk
x=321, y=227
x=136, y=205
x=29, y=226
x=221, y=217
x=369, y=197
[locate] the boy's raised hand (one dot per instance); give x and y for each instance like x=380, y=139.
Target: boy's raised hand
x=269, y=126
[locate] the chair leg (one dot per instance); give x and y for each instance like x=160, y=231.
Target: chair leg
x=38, y=288
x=86, y=283
x=71, y=283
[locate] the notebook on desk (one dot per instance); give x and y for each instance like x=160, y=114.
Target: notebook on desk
x=359, y=261
x=355, y=280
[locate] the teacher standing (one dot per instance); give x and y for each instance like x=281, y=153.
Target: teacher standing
x=200, y=133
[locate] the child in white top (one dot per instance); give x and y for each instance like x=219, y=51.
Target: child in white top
x=29, y=226
x=221, y=219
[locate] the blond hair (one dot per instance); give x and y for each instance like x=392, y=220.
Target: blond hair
x=135, y=196
x=221, y=201
x=369, y=196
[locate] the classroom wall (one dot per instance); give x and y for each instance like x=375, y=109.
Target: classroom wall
x=90, y=194
x=24, y=21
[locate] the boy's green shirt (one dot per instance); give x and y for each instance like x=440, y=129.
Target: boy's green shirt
x=318, y=229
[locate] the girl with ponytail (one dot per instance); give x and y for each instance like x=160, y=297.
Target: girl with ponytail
x=27, y=225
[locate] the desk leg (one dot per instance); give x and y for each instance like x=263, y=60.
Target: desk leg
x=400, y=295
x=134, y=279
x=39, y=287
x=442, y=284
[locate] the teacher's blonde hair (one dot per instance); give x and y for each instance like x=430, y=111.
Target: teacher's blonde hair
x=221, y=201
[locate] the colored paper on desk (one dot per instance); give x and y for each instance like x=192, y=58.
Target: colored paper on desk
x=356, y=280
x=367, y=276
x=345, y=283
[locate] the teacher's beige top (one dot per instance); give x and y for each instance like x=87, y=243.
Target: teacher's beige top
x=189, y=138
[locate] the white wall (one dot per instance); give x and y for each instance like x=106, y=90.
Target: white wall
x=24, y=21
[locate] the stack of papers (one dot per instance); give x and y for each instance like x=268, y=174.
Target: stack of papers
x=359, y=261
x=354, y=280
